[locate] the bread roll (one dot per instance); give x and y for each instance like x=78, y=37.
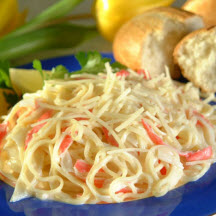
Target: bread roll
x=147, y=41
x=196, y=56
x=205, y=8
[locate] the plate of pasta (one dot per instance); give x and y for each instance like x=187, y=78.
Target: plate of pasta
x=107, y=140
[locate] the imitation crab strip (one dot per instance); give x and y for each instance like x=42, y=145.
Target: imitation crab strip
x=163, y=170
x=144, y=73
x=83, y=167
x=99, y=182
x=122, y=73
x=124, y=190
x=81, y=118
x=153, y=136
x=203, y=118
x=203, y=154
x=178, y=137
x=102, y=202
x=110, y=139
x=35, y=129
x=3, y=131
x=155, y=139
x=127, y=190
x=66, y=142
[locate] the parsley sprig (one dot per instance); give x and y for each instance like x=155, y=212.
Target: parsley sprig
x=90, y=62
x=94, y=63
x=5, y=83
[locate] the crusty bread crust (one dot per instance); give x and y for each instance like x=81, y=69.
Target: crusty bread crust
x=129, y=40
x=174, y=13
x=204, y=8
x=191, y=35
x=205, y=86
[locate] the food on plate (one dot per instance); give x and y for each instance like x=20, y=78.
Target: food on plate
x=106, y=138
x=147, y=41
x=111, y=14
x=196, y=56
x=205, y=8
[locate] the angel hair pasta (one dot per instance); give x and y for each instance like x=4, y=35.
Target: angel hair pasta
x=107, y=138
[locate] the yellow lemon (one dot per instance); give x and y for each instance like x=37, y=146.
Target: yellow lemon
x=17, y=20
x=7, y=10
x=10, y=17
x=24, y=80
x=111, y=14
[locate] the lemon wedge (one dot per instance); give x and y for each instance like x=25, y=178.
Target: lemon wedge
x=111, y=14
x=24, y=80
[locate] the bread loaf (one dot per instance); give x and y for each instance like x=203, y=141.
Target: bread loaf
x=196, y=56
x=147, y=41
x=205, y=8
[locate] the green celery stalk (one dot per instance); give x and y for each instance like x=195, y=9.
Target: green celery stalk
x=53, y=37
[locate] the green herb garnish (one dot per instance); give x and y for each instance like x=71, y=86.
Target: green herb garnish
x=4, y=75
x=90, y=62
x=38, y=66
x=94, y=63
x=5, y=83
